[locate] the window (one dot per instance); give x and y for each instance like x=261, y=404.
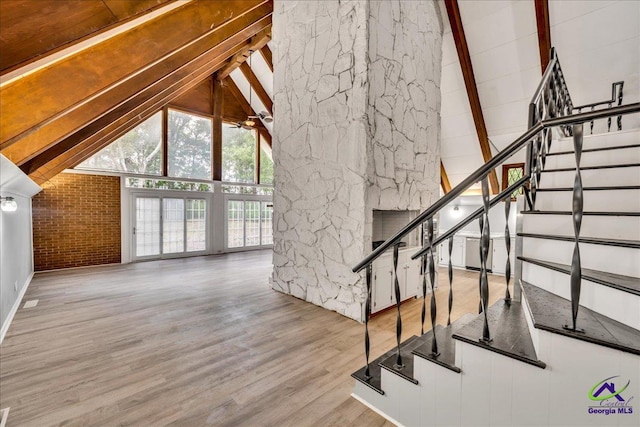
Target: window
x=238, y=154
x=266, y=168
x=249, y=223
x=511, y=174
x=196, y=225
x=189, y=145
x=138, y=151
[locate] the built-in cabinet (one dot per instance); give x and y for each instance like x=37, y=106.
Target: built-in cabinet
x=457, y=253
x=409, y=279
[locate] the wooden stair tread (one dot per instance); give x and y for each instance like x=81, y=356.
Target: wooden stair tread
x=375, y=370
x=550, y=312
x=509, y=331
x=591, y=150
x=634, y=244
x=446, y=344
x=624, y=165
x=406, y=372
x=586, y=213
x=599, y=188
x=616, y=281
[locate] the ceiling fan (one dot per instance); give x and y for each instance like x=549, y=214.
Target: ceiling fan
x=250, y=122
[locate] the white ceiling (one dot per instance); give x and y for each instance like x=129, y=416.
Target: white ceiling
x=598, y=42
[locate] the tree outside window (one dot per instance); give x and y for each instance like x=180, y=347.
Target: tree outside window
x=238, y=154
x=138, y=151
x=189, y=146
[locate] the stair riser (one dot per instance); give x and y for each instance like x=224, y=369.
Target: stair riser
x=439, y=394
x=608, y=201
x=618, y=305
x=608, y=227
x=595, y=158
x=611, y=139
x=592, y=178
x=612, y=259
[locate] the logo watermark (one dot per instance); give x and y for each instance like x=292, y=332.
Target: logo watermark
x=607, y=398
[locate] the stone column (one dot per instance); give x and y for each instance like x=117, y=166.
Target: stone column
x=357, y=127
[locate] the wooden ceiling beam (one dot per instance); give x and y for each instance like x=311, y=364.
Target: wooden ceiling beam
x=93, y=137
x=544, y=32
x=256, y=42
x=235, y=90
x=47, y=106
x=444, y=179
x=453, y=12
x=267, y=55
x=257, y=87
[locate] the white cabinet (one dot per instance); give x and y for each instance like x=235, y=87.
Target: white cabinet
x=457, y=254
x=383, y=286
x=500, y=256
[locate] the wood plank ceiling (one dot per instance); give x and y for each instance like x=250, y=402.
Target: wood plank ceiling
x=54, y=117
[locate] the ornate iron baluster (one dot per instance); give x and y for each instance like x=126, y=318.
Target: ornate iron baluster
x=484, y=244
x=620, y=103
x=609, y=120
x=480, y=224
x=591, y=125
x=507, y=243
x=367, y=314
x=398, y=364
x=576, y=210
x=423, y=268
x=450, y=280
x=432, y=279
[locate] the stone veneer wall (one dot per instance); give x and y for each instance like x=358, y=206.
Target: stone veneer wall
x=356, y=94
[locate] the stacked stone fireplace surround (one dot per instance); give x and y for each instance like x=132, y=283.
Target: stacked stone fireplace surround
x=357, y=129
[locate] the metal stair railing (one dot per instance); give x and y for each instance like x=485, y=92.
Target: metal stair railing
x=550, y=108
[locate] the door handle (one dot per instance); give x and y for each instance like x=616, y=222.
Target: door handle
x=134, y=231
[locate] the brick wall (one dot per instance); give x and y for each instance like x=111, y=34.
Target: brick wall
x=76, y=222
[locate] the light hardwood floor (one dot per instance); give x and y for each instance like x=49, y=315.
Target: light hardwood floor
x=192, y=342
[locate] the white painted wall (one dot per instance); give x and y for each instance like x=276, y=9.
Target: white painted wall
x=16, y=243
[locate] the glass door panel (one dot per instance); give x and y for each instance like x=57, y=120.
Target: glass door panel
x=172, y=226
x=267, y=223
x=196, y=225
x=252, y=223
x=235, y=224
x=147, y=227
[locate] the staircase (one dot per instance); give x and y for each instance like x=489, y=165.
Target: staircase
x=565, y=349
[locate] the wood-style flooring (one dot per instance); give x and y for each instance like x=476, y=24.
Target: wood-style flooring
x=193, y=342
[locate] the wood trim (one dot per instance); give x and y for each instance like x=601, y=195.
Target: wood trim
x=444, y=179
x=455, y=19
x=216, y=136
x=505, y=173
x=165, y=141
x=255, y=43
x=258, y=153
x=268, y=56
x=544, y=32
x=235, y=91
x=257, y=87
x=48, y=106
x=107, y=128
x=264, y=133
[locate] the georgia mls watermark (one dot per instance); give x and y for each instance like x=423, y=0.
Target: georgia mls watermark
x=607, y=397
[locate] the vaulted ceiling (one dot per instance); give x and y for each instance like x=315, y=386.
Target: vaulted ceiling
x=77, y=74
x=597, y=43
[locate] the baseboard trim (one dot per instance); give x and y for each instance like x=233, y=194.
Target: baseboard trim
x=376, y=410
x=14, y=309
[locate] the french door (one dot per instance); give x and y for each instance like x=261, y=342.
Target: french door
x=168, y=226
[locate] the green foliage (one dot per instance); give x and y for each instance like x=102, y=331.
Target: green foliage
x=238, y=154
x=189, y=146
x=137, y=151
x=266, y=169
